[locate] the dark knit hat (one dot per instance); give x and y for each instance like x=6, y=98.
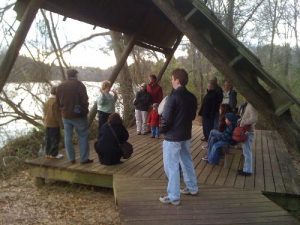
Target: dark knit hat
x=72, y=73
x=231, y=117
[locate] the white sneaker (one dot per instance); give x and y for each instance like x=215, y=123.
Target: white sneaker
x=166, y=200
x=59, y=156
x=186, y=191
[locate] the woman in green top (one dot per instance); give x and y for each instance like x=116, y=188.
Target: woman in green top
x=105, y=103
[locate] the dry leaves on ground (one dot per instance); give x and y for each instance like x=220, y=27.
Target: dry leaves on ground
x=22, y=203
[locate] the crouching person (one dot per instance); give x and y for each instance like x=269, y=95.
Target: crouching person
x=112, y=134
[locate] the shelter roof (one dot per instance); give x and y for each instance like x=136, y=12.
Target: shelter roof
x=140, y=17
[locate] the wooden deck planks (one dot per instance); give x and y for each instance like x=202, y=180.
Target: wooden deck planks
x=138, y=203
x=272, y=164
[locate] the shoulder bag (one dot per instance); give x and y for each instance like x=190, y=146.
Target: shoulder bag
x=126, y=147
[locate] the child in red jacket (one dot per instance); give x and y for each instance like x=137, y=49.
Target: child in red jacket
x=153, y=121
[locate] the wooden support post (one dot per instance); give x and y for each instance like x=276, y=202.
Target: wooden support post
x=114, y=73
x=18, y=40
x=123, y=59
x=169, y=57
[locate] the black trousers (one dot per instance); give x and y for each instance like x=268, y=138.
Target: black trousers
x=208, y=125
x=52, y=140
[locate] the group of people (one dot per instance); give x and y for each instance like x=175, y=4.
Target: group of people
x=146, y=102
x=220, y=117
x=67, y=108
x=218, y=111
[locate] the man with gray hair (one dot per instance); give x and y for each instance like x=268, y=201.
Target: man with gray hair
x=72, y=99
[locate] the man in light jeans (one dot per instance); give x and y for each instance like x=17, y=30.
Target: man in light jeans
x=176, y=123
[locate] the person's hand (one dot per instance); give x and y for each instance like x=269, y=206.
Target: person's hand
x=114, y=91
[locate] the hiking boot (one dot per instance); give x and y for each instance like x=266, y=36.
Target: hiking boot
x=87, y=161
x=186, y=191
x=242, y=173
x=167, y=200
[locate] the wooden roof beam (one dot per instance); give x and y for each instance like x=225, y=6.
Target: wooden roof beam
x=18, y=40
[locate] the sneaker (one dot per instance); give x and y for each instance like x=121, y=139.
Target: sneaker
x=157, y=137
x=73, y=161
x=59, y=156
x=166, y=200
x=186, y=191
x=87, y=161
x=204, y=158
x=138, y=133
x=203, y=139
x=152, y=137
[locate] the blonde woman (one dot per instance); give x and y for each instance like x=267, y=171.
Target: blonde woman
x=105, y=103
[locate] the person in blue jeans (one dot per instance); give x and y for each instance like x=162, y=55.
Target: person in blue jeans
x=73, y=102
x=249, y=117
x=176, y=123
x=218, y=139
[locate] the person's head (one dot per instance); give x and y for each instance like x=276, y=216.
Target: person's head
x=230, y=118
x=143, y=86
x=179, y=78
x=152, y=78
x=53, y=90
x=224, y=108
x=210, y=85
x=155, y=106
x=114, y=118
x=214, y=80
x=105, y=86
x=227, y=86
x=72, y=73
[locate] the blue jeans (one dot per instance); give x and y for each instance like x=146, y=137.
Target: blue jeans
x=247, y=152
x=82, y=130
x=175, y=154
x=155, y=131
x=214, y=136
x=214, y=153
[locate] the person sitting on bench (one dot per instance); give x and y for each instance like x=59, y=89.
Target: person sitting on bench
x=218, y=139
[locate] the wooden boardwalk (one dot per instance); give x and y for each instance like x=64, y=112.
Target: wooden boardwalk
x=137, y=200
x=274, y=172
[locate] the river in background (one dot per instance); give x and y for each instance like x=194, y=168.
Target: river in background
x=21, y=127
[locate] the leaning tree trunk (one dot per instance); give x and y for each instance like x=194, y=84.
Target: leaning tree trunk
x=124, y=79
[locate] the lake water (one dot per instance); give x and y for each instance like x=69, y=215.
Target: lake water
x=19, y=95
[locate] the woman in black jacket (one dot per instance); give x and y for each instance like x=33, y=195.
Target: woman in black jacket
x=107, y=146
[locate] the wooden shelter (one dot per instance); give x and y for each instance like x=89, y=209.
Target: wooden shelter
x=159, y=25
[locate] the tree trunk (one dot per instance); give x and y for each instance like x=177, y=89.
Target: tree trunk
x=125, y=80
x=229, y=22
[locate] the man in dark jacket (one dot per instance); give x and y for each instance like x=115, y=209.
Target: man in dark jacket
x=208, y=110
x=177, y=117
x=73, y=102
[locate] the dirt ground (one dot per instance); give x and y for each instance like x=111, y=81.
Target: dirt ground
x=21, y=202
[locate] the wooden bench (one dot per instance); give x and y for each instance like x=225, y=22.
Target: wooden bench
x=230, y=150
